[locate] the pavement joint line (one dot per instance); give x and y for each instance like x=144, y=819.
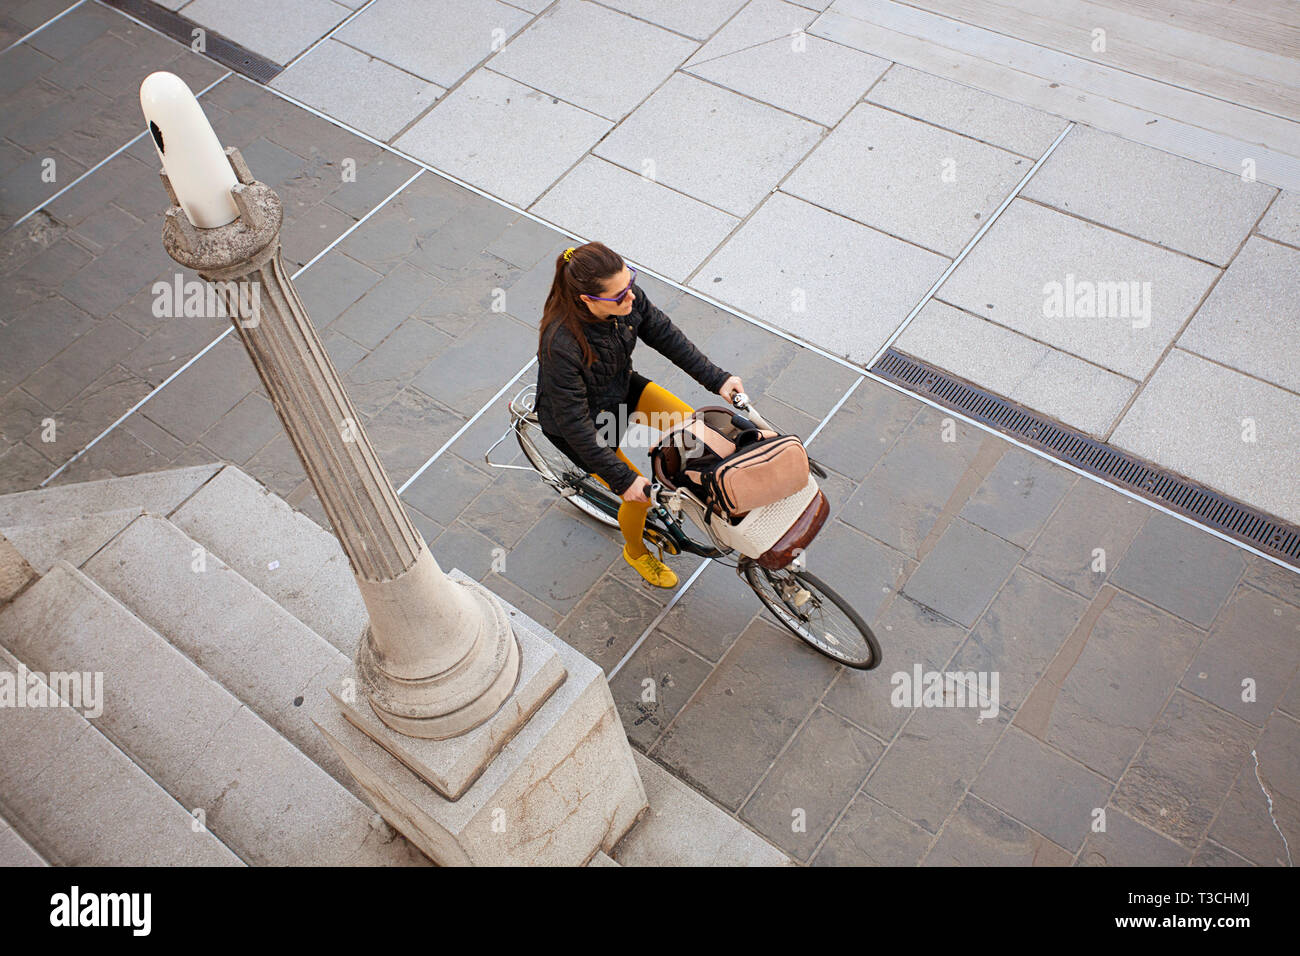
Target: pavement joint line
x=705, y=562
x=58, y=16
x=338, y=26
x=988, y=223
x=170, y=378
x=125, y=146
x=460, y=431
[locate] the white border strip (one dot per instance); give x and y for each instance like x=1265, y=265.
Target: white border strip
x=170, y=378
x=57, y=16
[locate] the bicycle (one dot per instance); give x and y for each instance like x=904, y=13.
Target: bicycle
x=797, y=598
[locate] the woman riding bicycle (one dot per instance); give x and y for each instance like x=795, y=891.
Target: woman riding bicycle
x=593, y=316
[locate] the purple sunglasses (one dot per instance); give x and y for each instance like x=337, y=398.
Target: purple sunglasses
x=617, y=300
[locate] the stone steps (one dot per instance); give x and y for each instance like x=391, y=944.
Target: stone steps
x=14, y=850
x=258, y=793
x=62, y=780
x=231, y=630
x=285, y=554
x=159, y=492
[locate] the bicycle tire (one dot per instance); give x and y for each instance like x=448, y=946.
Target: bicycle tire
x=539, y=463
x=813, y=583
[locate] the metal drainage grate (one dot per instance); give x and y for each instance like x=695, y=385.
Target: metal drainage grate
x=1210, y=508
x=216, y=47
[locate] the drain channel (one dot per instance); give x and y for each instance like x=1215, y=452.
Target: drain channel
x=224, y=51
x=1203, y=505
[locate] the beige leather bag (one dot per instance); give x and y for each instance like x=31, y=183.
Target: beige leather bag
x=759, y=468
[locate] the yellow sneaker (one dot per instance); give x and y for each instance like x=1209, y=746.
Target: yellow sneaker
x=652, y=569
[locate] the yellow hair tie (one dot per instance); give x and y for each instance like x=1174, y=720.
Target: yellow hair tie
x=568, y=253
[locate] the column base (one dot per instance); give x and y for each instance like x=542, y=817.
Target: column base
x=554, y=791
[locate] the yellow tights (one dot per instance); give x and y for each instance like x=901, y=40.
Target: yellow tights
x=655, y=401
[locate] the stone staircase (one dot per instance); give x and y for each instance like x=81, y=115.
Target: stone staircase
x=218, y=617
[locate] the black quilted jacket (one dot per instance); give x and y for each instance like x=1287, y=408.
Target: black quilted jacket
x=570, y=395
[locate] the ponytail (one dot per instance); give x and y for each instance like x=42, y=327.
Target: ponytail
x=579, y=271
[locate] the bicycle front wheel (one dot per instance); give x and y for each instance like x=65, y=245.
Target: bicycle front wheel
x=815, y=614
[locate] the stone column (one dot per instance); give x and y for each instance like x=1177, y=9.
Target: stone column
x=439, y=657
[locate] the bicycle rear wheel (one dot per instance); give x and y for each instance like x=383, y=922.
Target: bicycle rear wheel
x=815, y=614
x=557, y=467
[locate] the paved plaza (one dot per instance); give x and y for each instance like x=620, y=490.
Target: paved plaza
x=775, y=162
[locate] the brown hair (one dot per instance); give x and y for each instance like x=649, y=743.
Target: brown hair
x=582, y=273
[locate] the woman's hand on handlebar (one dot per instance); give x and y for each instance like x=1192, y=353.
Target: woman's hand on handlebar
x=731, y=388
x=639, y=490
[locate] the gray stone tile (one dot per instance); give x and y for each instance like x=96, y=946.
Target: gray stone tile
x=94, y=408
x=410, y=429
x=23, y=189
x=374, y=182
x=439, y=40
x=1180, y=568
x=806, y=75
x=566, y=53
x=863, y=571
x=343, y=352
x=508, y=507
x=1283, y=219
x=870, y=834
x=546, y=616
x=310, y=233
x=1035, y=258
x=815, y=296
x=366, y=93
x=212, y=386
x=1043, y=789
x=279, y=33
x=710, y=143
x=1126, y=843
x=727, y=737
x=813, y=384
x=385, y=306
x=559, y=559
x=1185, y=769
x=811, y=783
x=1199, y=210
x=927, y=770
x=695, y=18
x=907, y=178
x=863, y=430
x=1280, y=582
x=56, y=382
x=653, y=686
x=19, y=414
x=908, y=634
x=965, y=569
x=1092, y=528
x=1211, y=854
x=1242, y=439
x=469, y=371
x=980, y=835
x=1018, y=496
x=22, y=468
x=277, y=466
x=1055, y=383
x=446, y=487
x=964, y=109
x=42, y=275
x=605, y=624
x=1100, y=711
x=712, y=614
x=526, y=242
x=503, y=137
x=1248, y=823
x=461, y=547
x=375, y=381
x=1251, y=320
x=672, y=233
x=1257, y=639
x=1020, y=633
x=242, y=431
x=333, y=284
x=903, y=496
x=120, y=453
x=36, y=334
